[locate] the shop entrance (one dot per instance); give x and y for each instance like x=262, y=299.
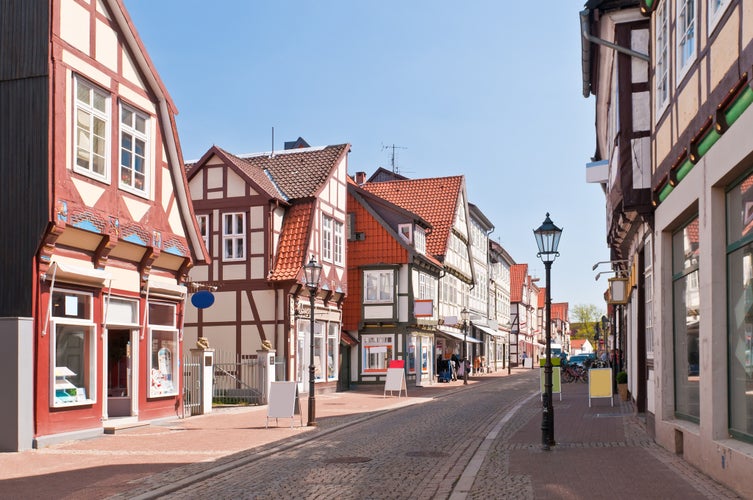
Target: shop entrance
x=119, y=390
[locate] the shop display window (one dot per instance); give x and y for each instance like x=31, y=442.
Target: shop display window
x=376, y=351
x=163, y=351
x=72, y=350
x=333, y=341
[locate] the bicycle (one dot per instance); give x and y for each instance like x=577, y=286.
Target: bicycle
x=573, y=373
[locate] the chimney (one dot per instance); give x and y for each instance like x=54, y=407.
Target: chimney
x=360, y=178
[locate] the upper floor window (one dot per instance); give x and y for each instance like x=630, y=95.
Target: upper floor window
x=716, y=9
x=91, y=134
x=338, y=245
x=662, y=57
x=203, y=222
x=378, y=286
x=133, y=149
x=419, y=240
x=326, y=238
x=686, y=46
x=234, y=236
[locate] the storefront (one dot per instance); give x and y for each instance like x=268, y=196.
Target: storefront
x=104, y=352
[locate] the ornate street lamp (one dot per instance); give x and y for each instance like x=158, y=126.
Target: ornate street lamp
x=464, y=315
x=311, y=272
x=548, y=239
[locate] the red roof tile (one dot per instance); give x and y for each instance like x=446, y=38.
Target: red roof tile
x=518, y=273
x=294, y=239
x=433, y=199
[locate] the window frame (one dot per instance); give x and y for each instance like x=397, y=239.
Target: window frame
x=372, y=348
x=333, y=351
x=381, y=286
x=204, y=229
x=233, y=236
x=135, y=135
x=88, y=359
x=338, y=242
x=327, y=237
x=716, y=10
x=161, y=384
x=661, y=42
x=93, y=113
x=682, y=63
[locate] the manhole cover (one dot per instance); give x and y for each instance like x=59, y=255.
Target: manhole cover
x=347, y=460
x=429, y=454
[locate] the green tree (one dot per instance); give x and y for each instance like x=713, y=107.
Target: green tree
x=585, y=316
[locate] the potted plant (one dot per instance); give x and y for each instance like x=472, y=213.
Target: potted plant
x=622, y=385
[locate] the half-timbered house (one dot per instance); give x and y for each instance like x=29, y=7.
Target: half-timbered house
x=263, y=216
x=98, y=236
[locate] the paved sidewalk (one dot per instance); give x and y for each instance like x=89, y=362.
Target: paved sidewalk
x=601, y=452
x=109, y=464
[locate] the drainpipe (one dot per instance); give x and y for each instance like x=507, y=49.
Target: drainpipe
x=585, y=30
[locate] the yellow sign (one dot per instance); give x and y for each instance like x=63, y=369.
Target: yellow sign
x=599, y=384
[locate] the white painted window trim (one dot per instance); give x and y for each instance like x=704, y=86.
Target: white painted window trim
x=326, y=238
x=204, y=229
x=135, y=135
x=683, y=69
x=231, y=235
x=92, y=112
x=715, y=14
x=338, y=243
x=662, y=11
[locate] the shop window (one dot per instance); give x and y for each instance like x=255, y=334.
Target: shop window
x=740, y=308
x=73, y=350
x=333, y=343
x=377, y=351
x=163, y=350
x=319, y=352
x=120, y=311
x=686, y=300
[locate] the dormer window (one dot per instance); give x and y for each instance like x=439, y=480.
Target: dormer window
x=419, y=238
x=406, y=231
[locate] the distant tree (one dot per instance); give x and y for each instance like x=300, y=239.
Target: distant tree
x=586, y=316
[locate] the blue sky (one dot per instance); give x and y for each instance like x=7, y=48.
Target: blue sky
x=488, y=89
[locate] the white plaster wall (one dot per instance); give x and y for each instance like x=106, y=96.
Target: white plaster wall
x=234, y=271
x=74, y=25
x=223, y=308
x=106, y=46
x=236, y=187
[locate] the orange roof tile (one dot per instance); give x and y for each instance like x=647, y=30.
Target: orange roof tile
x=294, y=237
x=433, y=199
x=518, y=273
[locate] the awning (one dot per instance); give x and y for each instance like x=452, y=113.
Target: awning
x=486, y=329
x=347, y=338
x=71, y=273
x=164, y=288
x=449, y=334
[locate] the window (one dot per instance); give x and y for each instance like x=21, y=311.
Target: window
x=662, y=57
x=378, y=286
x=333, y=342
x=203, y=223
x=685, y=36
x=740, y=307
x=426, y=286
x=648, y=276
x=406, y=231
x=326, y=238
x=163, y=351
x=338, y=249
x=73, y=350
x=376, y=353
x=420, y=240
x=686, y=300
x=91, y=133
x=319, y=352
x=133, y=147
x=234, y=236
x=716, y=9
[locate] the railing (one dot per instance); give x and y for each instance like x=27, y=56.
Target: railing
x=237, y=379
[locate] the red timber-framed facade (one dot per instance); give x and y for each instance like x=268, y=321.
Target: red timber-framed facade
x=263, y=216
x=105, y=233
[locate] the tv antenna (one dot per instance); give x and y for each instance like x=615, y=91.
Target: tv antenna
x=395, y=169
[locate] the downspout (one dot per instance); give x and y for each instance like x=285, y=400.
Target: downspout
x=585, y=29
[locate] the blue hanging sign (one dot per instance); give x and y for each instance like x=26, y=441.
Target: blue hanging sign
x=202, y=299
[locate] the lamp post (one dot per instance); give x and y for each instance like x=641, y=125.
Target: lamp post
x=311, y=272
x=464, y=314
x=548, y=239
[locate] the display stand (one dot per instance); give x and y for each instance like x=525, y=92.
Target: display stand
x=395, y=382
x=556, y=377
x=600, y=384
x=283, y=402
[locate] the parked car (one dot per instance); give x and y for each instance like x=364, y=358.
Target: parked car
x=582, y=359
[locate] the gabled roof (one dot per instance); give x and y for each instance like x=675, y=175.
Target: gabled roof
x=299, y=173
x=542, y=299
x=434, y=199
x=559, y=311
x=518, y=273
x=256, y=175
x=294, y=237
